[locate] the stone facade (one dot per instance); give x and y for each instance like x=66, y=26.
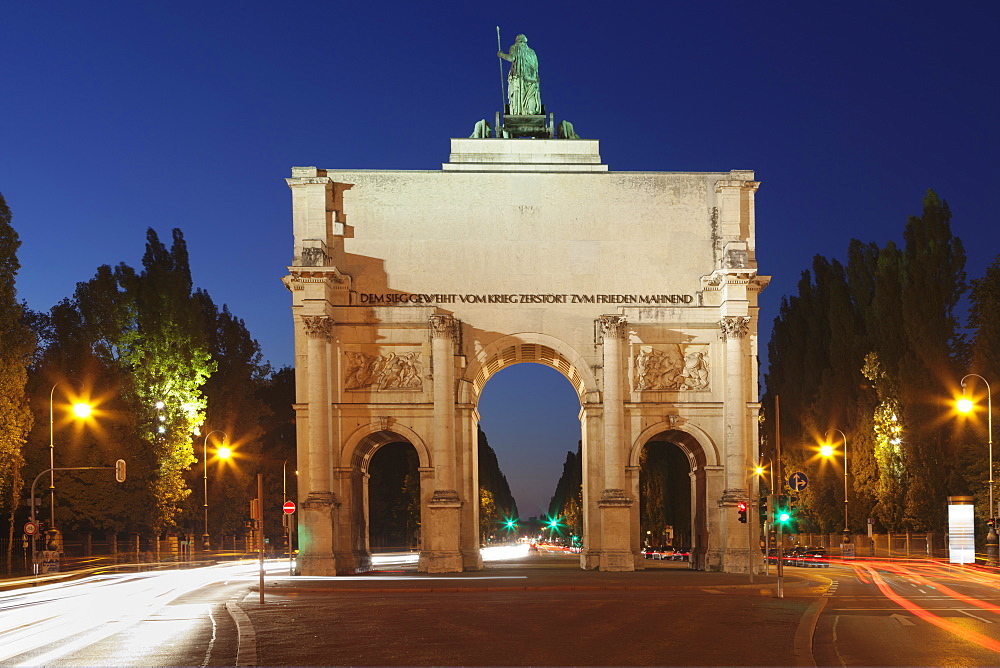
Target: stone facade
x=410, y=289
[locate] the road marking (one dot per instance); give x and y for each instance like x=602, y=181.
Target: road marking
x=211, y=643
x=712, y=591
x=974, y=616
x=833, y=588
x=922, y=591
x=246, y=653
x=902, y=619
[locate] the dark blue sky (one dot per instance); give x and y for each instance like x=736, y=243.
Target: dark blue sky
x=118, y=116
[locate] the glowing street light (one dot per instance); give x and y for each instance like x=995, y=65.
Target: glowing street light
x=224, y=453
x=966, y=405
x=80, y=410
x=827, y=451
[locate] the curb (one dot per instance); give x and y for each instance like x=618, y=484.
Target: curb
x=278, y=589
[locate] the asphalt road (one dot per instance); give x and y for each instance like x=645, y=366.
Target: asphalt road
x=539, y=610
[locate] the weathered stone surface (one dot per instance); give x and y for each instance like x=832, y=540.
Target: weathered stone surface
x=412, y=288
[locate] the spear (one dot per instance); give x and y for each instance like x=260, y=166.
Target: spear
x=503, y=93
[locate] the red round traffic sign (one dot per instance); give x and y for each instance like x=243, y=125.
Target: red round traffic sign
x=30, y=528
x=289, y=507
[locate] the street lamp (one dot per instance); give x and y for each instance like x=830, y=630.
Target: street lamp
x=80, y=410
x=224, y=453
x=827, y=451
x=965, y=405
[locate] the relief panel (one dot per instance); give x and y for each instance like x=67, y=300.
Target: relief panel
x=671, y=367
x=389, y=371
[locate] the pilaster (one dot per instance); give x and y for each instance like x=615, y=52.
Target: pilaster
x=616, y=553
x=442, y=527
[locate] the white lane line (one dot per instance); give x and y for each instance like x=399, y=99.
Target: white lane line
x=974, y=616
x=211, y=643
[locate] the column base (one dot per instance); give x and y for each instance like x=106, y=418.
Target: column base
x=316, y=564
x=316, y=535
x=440, y=562
x=617, y=561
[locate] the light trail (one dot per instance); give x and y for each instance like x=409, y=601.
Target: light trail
x=68, y=616
x=972, y=636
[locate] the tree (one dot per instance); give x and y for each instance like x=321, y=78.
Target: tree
x=492, y=479
x=143, y=335
x=235, y=408
x=868, y=349
x=567, y=500
x=16, y=348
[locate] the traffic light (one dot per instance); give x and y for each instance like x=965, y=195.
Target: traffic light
x=762, y=510
x=742, y=508
x=782, y=509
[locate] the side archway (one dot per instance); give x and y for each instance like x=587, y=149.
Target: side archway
x=705, y=473
x=357, y=455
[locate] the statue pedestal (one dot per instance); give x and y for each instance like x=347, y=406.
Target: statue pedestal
x=527, y=126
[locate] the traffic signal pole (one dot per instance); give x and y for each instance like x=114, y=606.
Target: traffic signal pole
x=777, y=445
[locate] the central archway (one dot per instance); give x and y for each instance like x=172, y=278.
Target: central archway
x=529, y=414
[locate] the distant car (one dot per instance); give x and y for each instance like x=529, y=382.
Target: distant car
x=813, y=557
x=791, y=555
x=681, y=554
x=653, y=552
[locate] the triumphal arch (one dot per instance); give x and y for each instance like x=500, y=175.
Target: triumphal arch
x=412, y=288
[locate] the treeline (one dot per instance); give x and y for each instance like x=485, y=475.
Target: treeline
x=167, y=372
x=873, y=350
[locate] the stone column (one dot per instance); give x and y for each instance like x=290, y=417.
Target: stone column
x=734, y=331
x=316, y=530
x=616, y=554
x=442, y=530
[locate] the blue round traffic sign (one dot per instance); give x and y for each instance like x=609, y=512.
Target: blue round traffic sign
x=798, y=481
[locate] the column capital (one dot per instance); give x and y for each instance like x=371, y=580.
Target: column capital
x=320, y=501
x=613, y=326
x=734, y=327
x=614, y=498
x=318, y=326
x=443, y=327
x=445, y=498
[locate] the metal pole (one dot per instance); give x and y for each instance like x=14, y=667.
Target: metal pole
x=847, y=526
x=52, y=460
x=991, y=537
x=750, y=526
x=777, y=448
x=260, y=539
x=204, y=478
x=205, y=538
x=287, y=517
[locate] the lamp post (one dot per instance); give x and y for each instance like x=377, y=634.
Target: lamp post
x=204, y=458
x=847, y=527
x=80, y=410
x=965, y=405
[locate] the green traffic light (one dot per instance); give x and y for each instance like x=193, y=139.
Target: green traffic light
x=784, y=517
